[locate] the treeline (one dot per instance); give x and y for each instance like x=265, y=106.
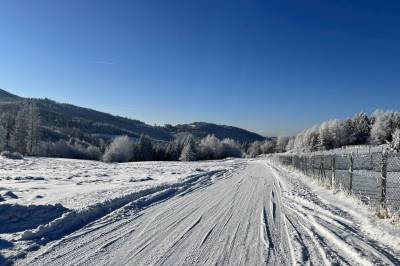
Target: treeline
x=126, y=149
x=21, y=131
x=183, y=148
x=382, y=127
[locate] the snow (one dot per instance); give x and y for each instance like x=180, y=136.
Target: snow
x=225, y=212
x=351, y=227
x=77, y=183
x=48, y=198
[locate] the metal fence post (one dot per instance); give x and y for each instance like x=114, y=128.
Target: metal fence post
x=351, y=174
x=333, y=172
x=383, y=180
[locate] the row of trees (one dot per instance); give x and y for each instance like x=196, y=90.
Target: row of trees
x=381, y=128
x=20, y=131
x=184, y=148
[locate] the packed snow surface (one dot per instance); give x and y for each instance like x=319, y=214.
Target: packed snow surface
x=227, y=212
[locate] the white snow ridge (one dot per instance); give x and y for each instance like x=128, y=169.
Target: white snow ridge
x=223, y=212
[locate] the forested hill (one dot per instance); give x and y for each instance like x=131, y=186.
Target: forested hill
x=63, y=121
x=202, y=129
x=5, y=96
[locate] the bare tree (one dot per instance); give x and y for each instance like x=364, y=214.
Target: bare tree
x=3, y=135
x=281, y=143
x=18, y=137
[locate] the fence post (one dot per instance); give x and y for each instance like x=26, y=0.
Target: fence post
x=351, y=174
x=383, y=181
x=333, y=172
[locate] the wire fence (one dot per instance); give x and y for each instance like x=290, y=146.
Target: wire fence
x=373, y=177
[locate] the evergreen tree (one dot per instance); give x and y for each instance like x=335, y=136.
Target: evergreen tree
x=145, y=149
x=360, y=129
x=188, y=152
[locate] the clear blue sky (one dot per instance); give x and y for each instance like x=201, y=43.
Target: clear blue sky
x=269, y=66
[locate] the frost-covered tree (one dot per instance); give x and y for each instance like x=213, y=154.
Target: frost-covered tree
x=229, y=148
x=290, y=145
x=396, y=140
x=307, y=140
x=381, y=130
x=324, y=141
x=357, y=130
x=261, y=147
x=332, y=134
x=281, y=143
x=337, y=133
x=268, y=146
x=209, y=147
x=254, y=149
x=189, y=152
x=174, y=148
x=120, y=150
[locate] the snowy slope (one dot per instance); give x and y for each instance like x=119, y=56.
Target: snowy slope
x=232, y=212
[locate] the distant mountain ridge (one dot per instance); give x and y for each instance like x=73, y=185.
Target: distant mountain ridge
x=61, y=121
x=5, y=96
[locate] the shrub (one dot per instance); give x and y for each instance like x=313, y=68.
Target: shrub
x=12, y=155
x=71, y=149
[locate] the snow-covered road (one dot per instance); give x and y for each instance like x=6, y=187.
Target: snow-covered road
x=255, y=215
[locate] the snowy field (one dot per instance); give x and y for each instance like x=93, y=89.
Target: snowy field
x=36, y=191
x=226, y=212
x=77, y=184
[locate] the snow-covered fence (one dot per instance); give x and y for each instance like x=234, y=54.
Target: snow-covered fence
x=372, y=177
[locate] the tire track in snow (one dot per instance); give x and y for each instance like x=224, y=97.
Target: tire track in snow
x=335, y=235
x=215, y=224
x=253, y=216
